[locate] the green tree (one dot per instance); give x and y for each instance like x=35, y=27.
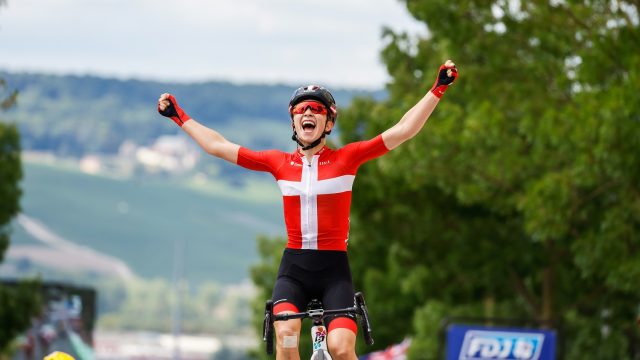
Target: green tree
x=17, y=303
x=521, y=197
x=10, y=170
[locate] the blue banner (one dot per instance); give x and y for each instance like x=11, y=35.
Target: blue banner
x=466, y=342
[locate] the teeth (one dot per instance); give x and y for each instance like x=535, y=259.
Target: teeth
x=308, y=123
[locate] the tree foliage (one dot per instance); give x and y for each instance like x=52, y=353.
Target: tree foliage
x=10, y=175
x=521, y=197
x=17, y=304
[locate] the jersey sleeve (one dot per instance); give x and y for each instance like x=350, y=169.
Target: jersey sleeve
x=268, y=160
x=359, y=152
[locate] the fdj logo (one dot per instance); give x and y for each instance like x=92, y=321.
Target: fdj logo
x=481, y=345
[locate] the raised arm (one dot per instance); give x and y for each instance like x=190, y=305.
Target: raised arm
x=414, y=119
x=209, y=140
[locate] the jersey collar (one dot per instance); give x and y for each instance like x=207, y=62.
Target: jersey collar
x=301, y=154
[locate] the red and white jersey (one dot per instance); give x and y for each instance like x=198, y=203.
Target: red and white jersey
x=316, y=194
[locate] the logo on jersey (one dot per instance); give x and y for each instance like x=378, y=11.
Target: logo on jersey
x=486, y=345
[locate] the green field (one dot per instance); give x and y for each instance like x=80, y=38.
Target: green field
x=139, y=221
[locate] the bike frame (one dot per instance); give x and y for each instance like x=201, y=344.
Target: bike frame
x=319, y=337
x=318, y=331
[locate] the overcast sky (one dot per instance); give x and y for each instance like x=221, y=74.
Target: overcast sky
x=331, y=42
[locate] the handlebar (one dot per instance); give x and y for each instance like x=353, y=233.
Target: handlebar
x=315, y=314
x=318, y=315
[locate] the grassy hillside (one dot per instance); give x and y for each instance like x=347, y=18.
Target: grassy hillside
x=138, y=221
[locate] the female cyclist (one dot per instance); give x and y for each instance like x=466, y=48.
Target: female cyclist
x=316, y=183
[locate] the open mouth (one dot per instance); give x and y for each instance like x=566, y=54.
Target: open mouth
x=308, y=125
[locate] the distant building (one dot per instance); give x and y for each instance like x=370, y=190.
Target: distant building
x=91, y=164
x=172, y=154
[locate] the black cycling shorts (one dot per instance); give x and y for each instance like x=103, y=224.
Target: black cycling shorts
x=315, y=274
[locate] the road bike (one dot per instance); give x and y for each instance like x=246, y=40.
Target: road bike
x=317, y=314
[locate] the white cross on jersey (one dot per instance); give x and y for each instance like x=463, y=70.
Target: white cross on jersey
x=308, y=188
x=316, y=194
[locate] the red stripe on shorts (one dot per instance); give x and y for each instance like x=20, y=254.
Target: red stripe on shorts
x=343, y=323
x=284, y=306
